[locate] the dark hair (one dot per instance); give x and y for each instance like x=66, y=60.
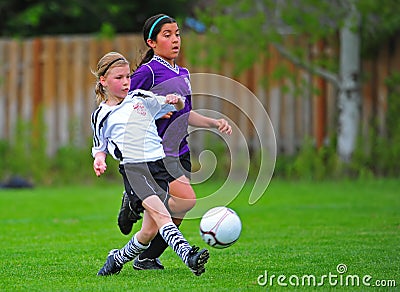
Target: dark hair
x=159, y=20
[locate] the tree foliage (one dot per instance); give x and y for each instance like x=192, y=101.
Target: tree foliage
x=241, y=31
x=247, y=26
x=24, y=18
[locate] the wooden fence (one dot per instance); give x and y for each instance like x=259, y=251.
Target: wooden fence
x=50, y=78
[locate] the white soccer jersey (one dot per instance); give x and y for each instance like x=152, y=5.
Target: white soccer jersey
x=128, y=131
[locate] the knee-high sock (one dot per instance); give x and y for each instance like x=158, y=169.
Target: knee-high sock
x=175, y=239
x=132, y=249
x=156, y=248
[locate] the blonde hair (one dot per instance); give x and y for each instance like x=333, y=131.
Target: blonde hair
x=108, y=61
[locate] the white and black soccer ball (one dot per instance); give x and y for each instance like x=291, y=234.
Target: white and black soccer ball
x=220, y=227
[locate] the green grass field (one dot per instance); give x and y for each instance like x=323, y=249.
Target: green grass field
x=56, y=239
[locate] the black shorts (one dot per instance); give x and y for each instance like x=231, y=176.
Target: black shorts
x=178, y=166
x=142, y=180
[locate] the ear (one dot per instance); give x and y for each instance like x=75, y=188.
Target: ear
x=151, y=43
x=102, y=80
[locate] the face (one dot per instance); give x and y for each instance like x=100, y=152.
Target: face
x=117, y=81
x=168, y=42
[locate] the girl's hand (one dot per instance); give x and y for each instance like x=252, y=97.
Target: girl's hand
x=99, y=166
x=224, y=127
x=172, y=98
x=176, y=100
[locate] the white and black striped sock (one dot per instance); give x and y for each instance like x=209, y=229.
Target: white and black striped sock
x=175, y=239
x=131, y=250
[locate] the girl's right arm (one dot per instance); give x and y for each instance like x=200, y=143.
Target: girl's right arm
x=99, y=163
x=99, y=148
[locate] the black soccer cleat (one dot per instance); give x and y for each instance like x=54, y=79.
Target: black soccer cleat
x=147, y=264
x=110, y=267
x=197, y=259
x=127, y=215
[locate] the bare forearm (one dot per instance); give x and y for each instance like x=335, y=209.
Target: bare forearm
x=200, y=121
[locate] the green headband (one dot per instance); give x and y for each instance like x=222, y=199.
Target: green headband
x=154, y=25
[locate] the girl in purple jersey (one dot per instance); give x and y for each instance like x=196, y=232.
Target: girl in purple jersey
x=159, y=73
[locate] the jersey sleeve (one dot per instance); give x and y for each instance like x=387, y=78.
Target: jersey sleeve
x=142, y=78
x=156, y=103
x=165, y=108
x=98, y=118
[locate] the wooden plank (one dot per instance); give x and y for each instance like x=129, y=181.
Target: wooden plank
x=63, y=70
x=319, y=100
x=3, y=70
x=12, y=87
x=106, y=46
x=368, y=92
x=138, y=50
x=288, y=108
x=119, y=45
x=27, y=80
x=331, y=111
x=37, y=87
x=244, y=107
x=230, y=106
x=49, y=82
x=274, y=92
x=77, y=91
x=298, y=111
x=383, y=72
x=88, y=93
x=260, y=120
x=93, y=58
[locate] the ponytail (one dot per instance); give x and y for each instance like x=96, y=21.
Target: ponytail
x=147, y=57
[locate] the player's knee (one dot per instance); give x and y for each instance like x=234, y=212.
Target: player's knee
x=188, y=201
x=179, y=205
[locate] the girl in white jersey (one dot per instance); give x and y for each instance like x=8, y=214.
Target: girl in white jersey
x=124, y=126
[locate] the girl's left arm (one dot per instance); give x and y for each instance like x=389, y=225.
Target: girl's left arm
x=200, y=121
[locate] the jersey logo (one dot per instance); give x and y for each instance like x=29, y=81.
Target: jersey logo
x=188, y=84
x=140, y=108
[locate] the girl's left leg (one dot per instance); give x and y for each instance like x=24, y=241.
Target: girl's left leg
x=194, y=258
x=182, y=199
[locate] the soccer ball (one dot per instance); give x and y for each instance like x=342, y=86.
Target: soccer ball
x=220, y=227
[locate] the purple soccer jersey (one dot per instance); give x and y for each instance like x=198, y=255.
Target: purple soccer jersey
x=160, y=77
